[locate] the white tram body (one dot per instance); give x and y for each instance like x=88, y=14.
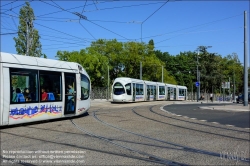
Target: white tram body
x=56, y=89
x=182, y=92
x=126, y=89
x=171, y=91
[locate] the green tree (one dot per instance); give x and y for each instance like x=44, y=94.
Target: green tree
x=26, y=32
x=123, y=60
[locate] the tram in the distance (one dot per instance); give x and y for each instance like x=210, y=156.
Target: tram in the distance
x=126, y=89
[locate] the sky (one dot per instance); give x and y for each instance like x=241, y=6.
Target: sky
x=175, y=26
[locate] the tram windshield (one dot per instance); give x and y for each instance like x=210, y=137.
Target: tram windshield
x=118, y=88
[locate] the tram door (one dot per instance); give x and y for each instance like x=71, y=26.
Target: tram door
x=148, y=92
x=134, y=92
x=70, y=93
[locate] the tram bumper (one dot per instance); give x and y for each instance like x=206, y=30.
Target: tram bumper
x=119, y=98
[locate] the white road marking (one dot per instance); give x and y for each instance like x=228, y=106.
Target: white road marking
x=230, y=125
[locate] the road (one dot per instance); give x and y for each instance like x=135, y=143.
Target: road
x=125, y=134
x=238, y=119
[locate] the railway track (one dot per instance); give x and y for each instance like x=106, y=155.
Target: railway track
x=148, y=157
x=181, y=147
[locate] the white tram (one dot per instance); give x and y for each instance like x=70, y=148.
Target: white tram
x=126, y=89
x=34, y=89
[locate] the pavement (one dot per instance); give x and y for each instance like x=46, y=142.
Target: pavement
x=220, y=105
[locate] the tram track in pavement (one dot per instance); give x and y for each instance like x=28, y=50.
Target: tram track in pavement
x=182, y=147
x=187, y=128
x=148, y=157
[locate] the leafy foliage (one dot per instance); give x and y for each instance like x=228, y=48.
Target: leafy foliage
x=123, y=60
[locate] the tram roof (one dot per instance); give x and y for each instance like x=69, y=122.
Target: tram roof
x=127, y=79
x=36, y=61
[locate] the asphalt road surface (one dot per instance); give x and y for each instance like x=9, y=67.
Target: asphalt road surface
x=238, y=119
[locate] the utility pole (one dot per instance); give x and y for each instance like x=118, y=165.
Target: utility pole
x=140, y=71
x=198, y=78
x=162, y=74
x=223, y=91
x=199, y=87
x=108, y=82
x=234, y=89
x=245, y=61
x=192, y=91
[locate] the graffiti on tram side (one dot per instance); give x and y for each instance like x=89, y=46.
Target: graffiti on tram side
x=81, y=109
x=35, y=111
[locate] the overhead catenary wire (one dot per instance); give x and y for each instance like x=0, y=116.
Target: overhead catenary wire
x=5, y=22
x=194, y=26
x=95, y=5
x=62, y=32
x=119, y=7
x=54, y=48
x=109, y=30
x=124, y=22
x=59, y=37
x=73, y=19
x=87, y=30
x=151, y=16
x=57, y=4
x=8, y=33
x=64, y=9
x=14, y=7
x=193, y=32
x=84, y=6
x=8, y=3
x=59, y=41
x=78, y=14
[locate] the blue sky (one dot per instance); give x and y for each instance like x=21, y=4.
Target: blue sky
x=176, y=27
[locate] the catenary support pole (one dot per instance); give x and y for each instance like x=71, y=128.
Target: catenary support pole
x=245, y=61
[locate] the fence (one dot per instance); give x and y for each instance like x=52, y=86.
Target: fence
x=216, y=97
x=100, y=93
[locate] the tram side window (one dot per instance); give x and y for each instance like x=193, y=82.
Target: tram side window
x=141, y=89
x=154, y=90
x=50, y=86
x=162, y=90
x=137, y=89
x=181, y=92
x=128, y=88
x=151, y=89
x=85, y=87
x=148, y=90
x=23, y=86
